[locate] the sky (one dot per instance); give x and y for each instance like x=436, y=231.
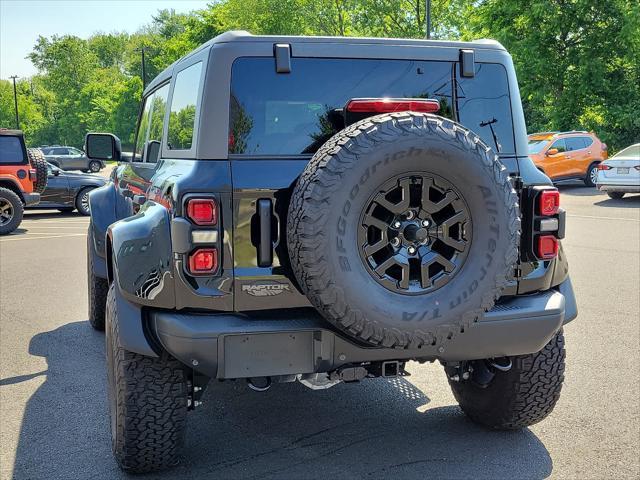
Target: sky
x=21, y=21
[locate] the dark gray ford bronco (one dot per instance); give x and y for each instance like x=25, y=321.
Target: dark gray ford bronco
x=324, y=210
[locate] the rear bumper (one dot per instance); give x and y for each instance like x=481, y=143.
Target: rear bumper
x=612, y=187
x=31, y=199
x=238, y=346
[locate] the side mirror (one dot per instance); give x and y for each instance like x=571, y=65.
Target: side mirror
x=102, y=146
x=552, y=151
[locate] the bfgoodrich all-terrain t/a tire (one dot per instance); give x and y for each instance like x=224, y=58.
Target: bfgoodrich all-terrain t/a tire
x=520, y=397
x=147, y=403
x=403, y=229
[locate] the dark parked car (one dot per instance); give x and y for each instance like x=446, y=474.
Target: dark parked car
x=67, y=191
x=325, y=210
x=70, y=158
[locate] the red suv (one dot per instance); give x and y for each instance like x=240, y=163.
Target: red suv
x=23, y=177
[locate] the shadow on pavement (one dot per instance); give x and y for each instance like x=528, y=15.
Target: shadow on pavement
x=628, y=201
x=579, y=190
x=374, y=429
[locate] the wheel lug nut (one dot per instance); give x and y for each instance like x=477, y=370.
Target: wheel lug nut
x=397, y=224
x=395, y=242
x=425, y=223
x=410, y=215
x=412, y=250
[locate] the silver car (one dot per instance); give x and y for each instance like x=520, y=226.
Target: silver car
x=620, y=174
x=70, y=158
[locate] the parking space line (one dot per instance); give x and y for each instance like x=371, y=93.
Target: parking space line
x=60, y=226
x=26, y=237
x=604, y=218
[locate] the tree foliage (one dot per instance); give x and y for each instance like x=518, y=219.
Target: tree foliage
x=577, y=60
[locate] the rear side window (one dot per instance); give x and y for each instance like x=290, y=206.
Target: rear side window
x=60, y=151
x=575, y=143
x=11, y=150
x=295, y=113
x=183, y=108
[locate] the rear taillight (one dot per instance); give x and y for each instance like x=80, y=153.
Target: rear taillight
x=202, y=211
x=547, y=247
x=602, y=166
x=543, y=223
x=549, y=202
x=33, y=174
x=389, y=105
x=203, y=261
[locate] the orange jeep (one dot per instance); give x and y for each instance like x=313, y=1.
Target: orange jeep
x=23, y=177
x=568, y=155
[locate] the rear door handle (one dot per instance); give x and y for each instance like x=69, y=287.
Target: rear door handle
x=265, y=247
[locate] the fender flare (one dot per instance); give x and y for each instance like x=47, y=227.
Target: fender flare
x=102, y=206
x=10, y=183
x=142, y=257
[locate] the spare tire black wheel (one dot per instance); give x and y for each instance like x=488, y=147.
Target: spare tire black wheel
x=403, y=229
x=37, y=161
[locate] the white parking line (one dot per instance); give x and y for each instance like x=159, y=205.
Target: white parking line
x=25, y=237
x=46, y=227
x=605, y=218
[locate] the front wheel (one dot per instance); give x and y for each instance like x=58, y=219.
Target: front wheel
x=615, y=195
x=147, y=403
x=519, y=397
x=592, y=176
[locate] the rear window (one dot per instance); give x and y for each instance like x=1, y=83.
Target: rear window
x=295, y=113
x=484, y=106
x=632, y=152
x=11, y=150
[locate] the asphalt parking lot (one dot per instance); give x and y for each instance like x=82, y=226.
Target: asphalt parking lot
x=53, y=401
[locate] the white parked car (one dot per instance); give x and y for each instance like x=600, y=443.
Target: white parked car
x=621, y=173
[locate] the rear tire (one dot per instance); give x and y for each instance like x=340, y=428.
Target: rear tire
x=98, y=289
x=615, y=195
x=11, y=211
x=147, y=403
x=94, y=166
x=82, y=201
x=37, y=161
x=520, y=397
x=592, y=175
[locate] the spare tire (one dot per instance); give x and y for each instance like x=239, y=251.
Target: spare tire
x=403, y=229
x=37, y=161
